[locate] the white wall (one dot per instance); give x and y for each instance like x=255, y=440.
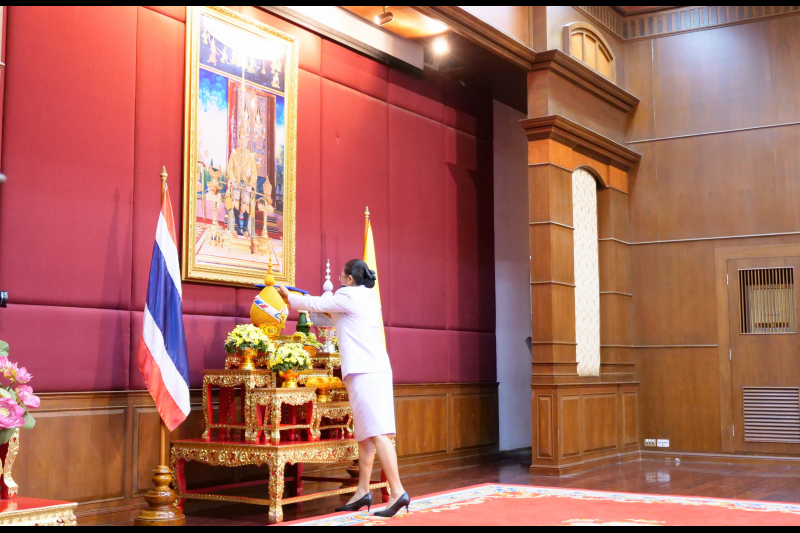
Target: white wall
x=512, y=277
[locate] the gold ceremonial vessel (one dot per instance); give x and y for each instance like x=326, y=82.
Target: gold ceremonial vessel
x=323, y=386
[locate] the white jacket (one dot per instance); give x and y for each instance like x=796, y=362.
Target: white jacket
x=359, y=327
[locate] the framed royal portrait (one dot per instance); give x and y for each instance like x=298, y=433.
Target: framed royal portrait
x=240, y=142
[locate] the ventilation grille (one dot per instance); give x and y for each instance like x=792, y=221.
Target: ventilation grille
x=771, y=414
x=766, y=301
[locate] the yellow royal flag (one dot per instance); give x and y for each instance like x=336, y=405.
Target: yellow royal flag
x=370, y=259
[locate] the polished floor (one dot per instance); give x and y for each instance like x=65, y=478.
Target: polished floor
x=749, y=482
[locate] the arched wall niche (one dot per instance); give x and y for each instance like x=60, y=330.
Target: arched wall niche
x=586, y=259
x=586, y=43
x=601, y=184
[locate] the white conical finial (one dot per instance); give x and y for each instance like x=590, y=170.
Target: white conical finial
x=328, y=286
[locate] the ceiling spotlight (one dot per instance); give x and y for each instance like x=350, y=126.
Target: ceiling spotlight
x=440, y=46
x=385, y=18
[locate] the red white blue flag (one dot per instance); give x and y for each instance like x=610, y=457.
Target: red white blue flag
x=162, y=356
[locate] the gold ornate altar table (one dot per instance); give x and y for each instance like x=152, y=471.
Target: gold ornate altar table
x=227, y=381
x=276, y=457
x=267, y=403
x=22, y=511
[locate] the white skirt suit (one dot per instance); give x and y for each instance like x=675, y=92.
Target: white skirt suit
x=366, y=371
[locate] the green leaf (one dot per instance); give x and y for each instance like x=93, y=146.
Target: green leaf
x=3, y=349
x=13, y=394
x=29, y=421
x=6, y=394
x=6, y=434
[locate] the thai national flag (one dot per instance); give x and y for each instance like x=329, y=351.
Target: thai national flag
x=162, y=351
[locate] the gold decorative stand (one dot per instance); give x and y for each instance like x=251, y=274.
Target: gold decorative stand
x=276, y=457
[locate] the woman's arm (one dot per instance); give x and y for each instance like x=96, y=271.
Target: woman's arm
x=327, y=303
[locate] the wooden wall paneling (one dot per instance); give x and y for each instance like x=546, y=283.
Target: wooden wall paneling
x=784, y=41
x=615, y=267
x=615, y=324
x=146, y=449
x=570, y=426
x=787, y=167
x=474, y=421
x=638, y=68
x=630, y=425
x=687, y=95
x=679, y=396
x=416, y=434
x=575, y=103
x=643, y=198
x=600, y=425
x=545, y=416
x=684, y=291
x=594, y=424
x=550, y=192
x=718, y=193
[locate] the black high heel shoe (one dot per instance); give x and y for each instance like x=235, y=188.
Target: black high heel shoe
x=358, y=504
x=402, y=501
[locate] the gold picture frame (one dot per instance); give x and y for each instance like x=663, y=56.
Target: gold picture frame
x=240, y=149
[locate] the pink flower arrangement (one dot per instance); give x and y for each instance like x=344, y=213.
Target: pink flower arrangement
x=23, y=376
x=11, y=414
x=14, y=403
x=26, y=396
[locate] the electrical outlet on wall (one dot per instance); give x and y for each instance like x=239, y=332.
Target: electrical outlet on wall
x=663, y=443
x=649, y=442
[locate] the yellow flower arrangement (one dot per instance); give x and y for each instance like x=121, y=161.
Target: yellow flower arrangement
x=247, y=336
x=289, y=356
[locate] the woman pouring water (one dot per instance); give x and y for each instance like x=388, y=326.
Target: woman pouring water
x=367, y=375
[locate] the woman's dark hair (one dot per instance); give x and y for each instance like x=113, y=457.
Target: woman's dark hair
x=360, y=272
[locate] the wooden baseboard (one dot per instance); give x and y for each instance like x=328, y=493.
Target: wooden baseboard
x=583, y=466
x=725, y=458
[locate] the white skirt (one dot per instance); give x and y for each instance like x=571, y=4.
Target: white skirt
x=372, y=399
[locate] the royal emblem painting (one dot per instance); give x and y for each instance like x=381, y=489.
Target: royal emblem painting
x=239, y=149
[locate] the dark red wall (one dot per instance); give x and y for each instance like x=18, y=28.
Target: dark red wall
x=94, y=109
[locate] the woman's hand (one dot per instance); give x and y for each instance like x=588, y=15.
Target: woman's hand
x=283, y=291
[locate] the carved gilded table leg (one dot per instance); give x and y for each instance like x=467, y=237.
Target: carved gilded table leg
x=208, y=408
x=8, y=487
x=275, y=420
x=276, y=467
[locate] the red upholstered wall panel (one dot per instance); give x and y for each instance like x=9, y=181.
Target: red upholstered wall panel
x=176, y=12
x=69, y=348
x=461, y=203
x=467, y=110
x=88, y=130
x=354, y=176
x=205, y=338
x=418, y=355
x=354, y=70
x=310, y=269
x=417, y=224
x=421, y=96
x=471, y=356
x=158, y=138
x=65, y=225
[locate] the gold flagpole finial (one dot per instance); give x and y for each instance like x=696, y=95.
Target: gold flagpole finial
x=366, y=213
x=163, y=182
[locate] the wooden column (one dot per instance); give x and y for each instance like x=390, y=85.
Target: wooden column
x=579, y=422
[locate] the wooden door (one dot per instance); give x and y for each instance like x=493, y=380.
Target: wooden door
x=765, y=354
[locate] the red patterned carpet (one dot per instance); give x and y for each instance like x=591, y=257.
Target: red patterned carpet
x=513, y=505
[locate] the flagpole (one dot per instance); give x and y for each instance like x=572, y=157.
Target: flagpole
x=161, y=509
x=366, y=230
x=163, y=434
